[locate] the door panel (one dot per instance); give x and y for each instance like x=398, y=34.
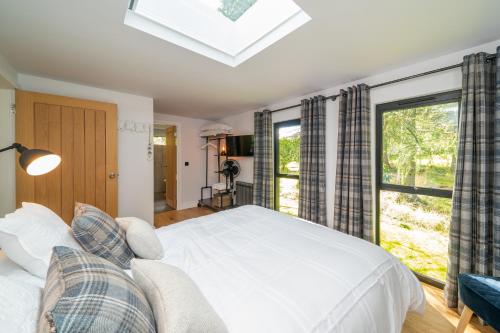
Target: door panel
x=100, y=159
x=54, y=177
x=111, y=161
x=84, y=134
x=171, y=167
x=67, y=168
x=90, y=157
x=79, y=155
x=42, y=142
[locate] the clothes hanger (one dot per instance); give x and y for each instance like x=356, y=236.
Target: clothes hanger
x=209, y=144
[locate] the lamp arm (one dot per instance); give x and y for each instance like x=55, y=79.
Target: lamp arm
x=17, y=146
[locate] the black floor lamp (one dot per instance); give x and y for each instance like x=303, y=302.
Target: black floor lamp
x=35, y=162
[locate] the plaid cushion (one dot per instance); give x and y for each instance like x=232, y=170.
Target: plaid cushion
x=99, y=234
x=85, y=293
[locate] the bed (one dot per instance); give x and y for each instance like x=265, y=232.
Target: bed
x=263, y=271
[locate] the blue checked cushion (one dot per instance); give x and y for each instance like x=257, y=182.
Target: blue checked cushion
x=85, y=293
x=99, y=234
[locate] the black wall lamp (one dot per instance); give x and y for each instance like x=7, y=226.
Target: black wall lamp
x=35, y=162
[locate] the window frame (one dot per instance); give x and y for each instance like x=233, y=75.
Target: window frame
x=381, y=109
x=277, y=174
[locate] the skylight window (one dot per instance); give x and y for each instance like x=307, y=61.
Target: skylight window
x=229, y=31
x=233, y=9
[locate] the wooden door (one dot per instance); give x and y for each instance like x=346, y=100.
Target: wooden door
x=171, y=167
x=84, y=134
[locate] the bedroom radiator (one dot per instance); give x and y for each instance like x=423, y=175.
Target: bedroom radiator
x=244, y=193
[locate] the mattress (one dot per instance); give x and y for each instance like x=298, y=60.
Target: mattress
x=264, y=271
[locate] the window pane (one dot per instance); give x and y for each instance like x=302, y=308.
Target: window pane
x=160, y=140
x=415, y=229
x=234, y=9
x=419, y=146
x=288, y=195
x=289, y=149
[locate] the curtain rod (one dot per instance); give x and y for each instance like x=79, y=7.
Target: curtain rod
x=434, y=71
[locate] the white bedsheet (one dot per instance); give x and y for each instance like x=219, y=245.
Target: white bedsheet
x=263, y=271
x=10, y=269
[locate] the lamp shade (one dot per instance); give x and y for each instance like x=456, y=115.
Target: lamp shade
x=38, y=161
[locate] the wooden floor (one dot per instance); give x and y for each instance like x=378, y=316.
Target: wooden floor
x=437, y=318
x=174, y=216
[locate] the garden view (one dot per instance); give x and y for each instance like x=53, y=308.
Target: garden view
x=418, y=150
x=289, y=163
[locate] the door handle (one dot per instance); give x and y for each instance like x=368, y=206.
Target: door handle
x=112, y=175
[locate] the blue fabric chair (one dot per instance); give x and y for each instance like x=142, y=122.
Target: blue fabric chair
x=481, y=295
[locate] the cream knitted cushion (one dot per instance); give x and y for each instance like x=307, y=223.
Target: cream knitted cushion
x=177, y=302
x=141, y=238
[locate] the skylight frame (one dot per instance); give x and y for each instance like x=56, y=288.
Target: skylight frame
x=232, y=42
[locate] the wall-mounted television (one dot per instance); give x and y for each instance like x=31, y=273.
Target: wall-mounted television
x=240, y=145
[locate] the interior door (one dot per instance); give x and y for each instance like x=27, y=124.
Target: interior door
x=171, y=167
x=84, y=134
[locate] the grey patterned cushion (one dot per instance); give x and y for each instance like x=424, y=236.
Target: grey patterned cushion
x=99, y=234
x=85, y=293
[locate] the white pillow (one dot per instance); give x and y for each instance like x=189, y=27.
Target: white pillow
x=141, y=238
x=46, y=213
x=177, y=302
x=28, y=235
x=13, y=271
x=19, y=306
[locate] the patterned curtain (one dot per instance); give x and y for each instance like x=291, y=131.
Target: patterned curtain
x=475, y=225
x=353, y=190
x=263, y=175
x=312, y=180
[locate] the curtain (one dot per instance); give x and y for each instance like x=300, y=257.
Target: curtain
x=263, y=175
x=475, y=225
x=312, y=179
x=353, y=190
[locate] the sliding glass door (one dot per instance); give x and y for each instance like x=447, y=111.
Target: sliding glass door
x=416, y=157
x=286, y=166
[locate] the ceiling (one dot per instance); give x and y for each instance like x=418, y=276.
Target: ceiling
x=86, y=42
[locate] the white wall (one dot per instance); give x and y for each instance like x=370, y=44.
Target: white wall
x=440, y=82
x=189, y=178
x=7, y=158
x=8, y=75
x=135, y=181
x=8, y=81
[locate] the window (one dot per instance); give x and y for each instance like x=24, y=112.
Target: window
x=228, y=31
x=160, y=140
x=286, y=166
x=416, y=157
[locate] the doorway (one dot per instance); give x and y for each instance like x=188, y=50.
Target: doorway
x=165, y=167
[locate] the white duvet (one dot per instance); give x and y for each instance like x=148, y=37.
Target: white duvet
x=263, y=271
